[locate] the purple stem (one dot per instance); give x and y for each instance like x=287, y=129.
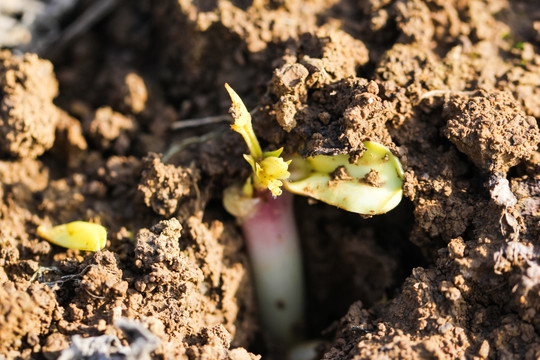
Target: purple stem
x=274, y=250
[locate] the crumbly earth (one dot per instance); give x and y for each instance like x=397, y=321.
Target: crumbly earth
x=27, y=115
x=491, y=129
x=451, y=87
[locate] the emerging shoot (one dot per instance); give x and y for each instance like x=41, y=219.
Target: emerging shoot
x=268, y=224
x=368, y=184
x=268, y=167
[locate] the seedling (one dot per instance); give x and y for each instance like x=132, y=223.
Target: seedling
x=368, y=184
x=80, y=235
x=268, y=224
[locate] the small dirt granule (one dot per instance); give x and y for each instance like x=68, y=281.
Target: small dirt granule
x=111, y=130
x=163, y=186
x=491, y=129
x=123, y=88
x=70, y=143
x=27, y=115
x=289, y=78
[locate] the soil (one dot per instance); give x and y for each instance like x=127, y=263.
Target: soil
x=451, y=87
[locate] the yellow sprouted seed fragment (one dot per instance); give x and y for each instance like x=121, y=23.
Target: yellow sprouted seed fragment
x=269, y=169
x=80, y=235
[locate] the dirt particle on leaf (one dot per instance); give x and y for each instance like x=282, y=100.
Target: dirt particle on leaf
x=373, y=178
x=338, y=175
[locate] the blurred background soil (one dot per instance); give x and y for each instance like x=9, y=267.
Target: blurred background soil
x=91, y=95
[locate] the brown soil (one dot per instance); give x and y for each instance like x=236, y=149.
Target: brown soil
x=451, y=87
